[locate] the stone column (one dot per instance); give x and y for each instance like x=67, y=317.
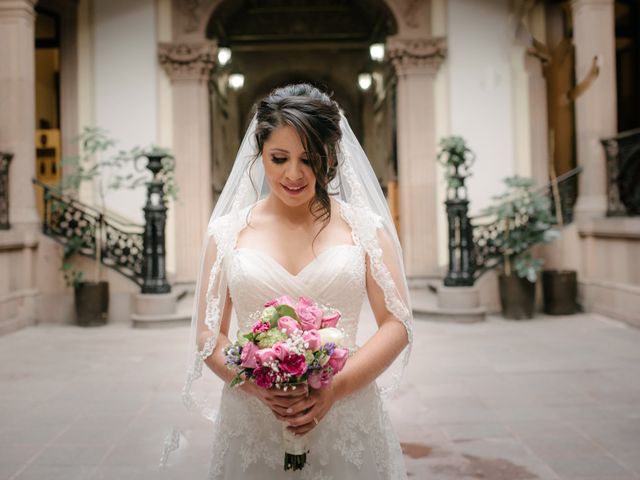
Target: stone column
x=416, y=62
x=596, y=114
x=189, y=65
x=17, y=106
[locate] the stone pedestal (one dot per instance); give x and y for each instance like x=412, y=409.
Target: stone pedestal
x=416, y=62
x=17, y=115
x=448, y=304
x=189, y=65
x=158, y=310
x=596, y=114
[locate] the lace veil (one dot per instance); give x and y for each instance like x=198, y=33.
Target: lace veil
x=363, y=206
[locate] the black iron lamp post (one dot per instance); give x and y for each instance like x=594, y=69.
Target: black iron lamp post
x=5, y=160
x=155, y=214
x=458, y=160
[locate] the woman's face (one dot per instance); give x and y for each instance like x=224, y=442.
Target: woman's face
x=286, y=168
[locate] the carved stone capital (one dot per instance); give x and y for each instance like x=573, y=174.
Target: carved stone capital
x=414, y=55
x=188, y=61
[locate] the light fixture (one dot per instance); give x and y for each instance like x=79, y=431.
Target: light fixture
x=376, y=51
x=224, y=55
x=236, y=81
x=364, y=81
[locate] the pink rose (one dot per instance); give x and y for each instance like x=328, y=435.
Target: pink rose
x=282, y=300
x=264, y=377
x=338, y=359
x=313, y=338
x=309, y=314
x=294, y=364
x=288, y=324
x=260, y=327
x=265, y=355
x=330, y=319
x=320, y=379
x=248, y=357
x=281, y=350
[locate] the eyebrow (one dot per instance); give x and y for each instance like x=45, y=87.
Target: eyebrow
x=276, y=149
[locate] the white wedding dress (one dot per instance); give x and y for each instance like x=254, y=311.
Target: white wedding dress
x=355, y=440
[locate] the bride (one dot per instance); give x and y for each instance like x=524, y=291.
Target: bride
x=302, y=214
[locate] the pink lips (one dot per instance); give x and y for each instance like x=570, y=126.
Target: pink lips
x=293, y=190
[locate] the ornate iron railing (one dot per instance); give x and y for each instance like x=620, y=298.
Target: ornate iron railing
x=623, y=173
x=121, y=245
x=486, y=231
x=5, y=160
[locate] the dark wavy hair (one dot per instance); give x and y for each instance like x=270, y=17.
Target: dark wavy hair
x=316, y=118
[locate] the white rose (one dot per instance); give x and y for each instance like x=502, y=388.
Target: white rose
x=331, y=334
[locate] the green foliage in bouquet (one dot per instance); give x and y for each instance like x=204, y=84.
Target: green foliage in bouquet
x=524, y=219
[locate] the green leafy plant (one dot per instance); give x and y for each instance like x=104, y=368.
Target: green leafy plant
x=523, y=219
x=101, y=163
x=72, y=277
x=457, y=158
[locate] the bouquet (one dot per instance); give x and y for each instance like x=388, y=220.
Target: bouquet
x=290, y=343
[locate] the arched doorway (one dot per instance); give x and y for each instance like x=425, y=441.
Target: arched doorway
x=277, y=42
x=274, y=43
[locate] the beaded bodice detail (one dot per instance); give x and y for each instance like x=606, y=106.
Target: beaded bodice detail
x=335, y=277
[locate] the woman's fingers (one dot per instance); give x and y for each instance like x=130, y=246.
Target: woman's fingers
x=301, y=406
x=302, y=429
x=304, y=419
x=300, y=391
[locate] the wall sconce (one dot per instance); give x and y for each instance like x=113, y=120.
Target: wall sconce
x=224, y=56
x=236, y=81
x=364, y=81
x=376, y=52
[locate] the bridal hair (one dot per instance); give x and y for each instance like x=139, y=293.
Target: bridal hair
x=316, y=118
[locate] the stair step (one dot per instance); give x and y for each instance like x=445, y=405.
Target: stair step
x=425, y=306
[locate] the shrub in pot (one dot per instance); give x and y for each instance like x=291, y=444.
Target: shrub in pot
x=522, y=218
x=91, y=299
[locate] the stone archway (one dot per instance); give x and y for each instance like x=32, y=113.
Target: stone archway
x=415, y=57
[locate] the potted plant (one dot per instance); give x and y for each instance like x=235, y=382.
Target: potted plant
x=91, y=297
x=522, y=219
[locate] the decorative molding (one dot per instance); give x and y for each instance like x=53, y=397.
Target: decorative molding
x=191, y=14
x=188, y=61
x=409, y=13
x=416, y=54
x=17, y=8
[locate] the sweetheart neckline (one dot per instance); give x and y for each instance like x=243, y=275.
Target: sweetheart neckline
x=308, y=265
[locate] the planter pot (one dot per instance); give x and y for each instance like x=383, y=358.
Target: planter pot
x=560, y=289
x=92, y=303
x=517, y=296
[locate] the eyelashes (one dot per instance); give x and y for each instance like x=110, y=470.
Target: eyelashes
x=281, y=160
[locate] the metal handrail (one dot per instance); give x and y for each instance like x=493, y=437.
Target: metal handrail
x=66, y=218
x=485, y=251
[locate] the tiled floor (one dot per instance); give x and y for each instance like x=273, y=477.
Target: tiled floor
x=551, y=398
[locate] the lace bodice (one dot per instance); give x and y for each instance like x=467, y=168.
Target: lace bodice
x=335, y=277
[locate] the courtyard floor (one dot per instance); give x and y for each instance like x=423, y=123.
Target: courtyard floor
x=550, y=398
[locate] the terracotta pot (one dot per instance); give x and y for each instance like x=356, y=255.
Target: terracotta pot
x=517, y=296
x=560, y=290
x=92, y=303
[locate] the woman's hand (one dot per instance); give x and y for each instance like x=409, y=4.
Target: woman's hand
x=280, y=402
x=308, y=412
